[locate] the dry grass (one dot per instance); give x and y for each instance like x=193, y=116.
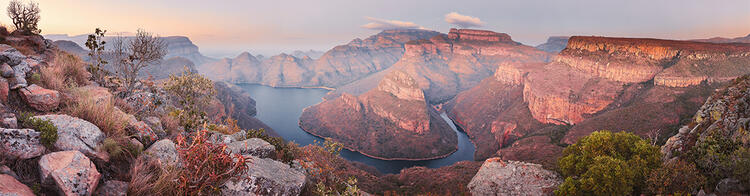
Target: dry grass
x=101, y=113
x=66, y=71
x=170, y=124
x=148, y=178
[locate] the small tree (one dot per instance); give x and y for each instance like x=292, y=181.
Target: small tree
x=141, y=51
x=193, y=92
x=24, y=17
x=95, y=43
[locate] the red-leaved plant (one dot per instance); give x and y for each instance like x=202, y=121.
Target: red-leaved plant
x=206, y=166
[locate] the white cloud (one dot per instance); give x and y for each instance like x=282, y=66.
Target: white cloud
x=462, y=20
x=382, y=24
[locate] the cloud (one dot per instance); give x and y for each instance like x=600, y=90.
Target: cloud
x=462, y=20
x=382, y=24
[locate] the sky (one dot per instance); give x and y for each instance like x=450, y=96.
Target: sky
x=227, y=27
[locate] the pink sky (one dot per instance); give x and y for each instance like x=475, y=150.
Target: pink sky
x=268, y=27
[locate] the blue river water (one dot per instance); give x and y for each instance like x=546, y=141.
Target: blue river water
x=280, y=108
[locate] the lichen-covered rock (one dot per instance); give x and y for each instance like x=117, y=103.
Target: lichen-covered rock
x=253, y=146
x=726, y=113
x=70, y=171
x=41, y=99
x=165, y=152
x=76, y=134
x=113, y=188
x=6, y=170
x=6, y=71
x=265, y=177
x=498, y=177
x=20, y=143
x=11, y=187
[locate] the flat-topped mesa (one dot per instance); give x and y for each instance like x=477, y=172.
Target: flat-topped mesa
x=478, y=35
x=634, y=60
x=401, y=85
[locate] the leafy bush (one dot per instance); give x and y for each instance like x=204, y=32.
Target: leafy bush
x=715, y=157
x=606, y=163
x=675, y=177
x=48, y=130
x=193, y=92
x=206, y=165
x=95, y=44
x=66, y=71
x=322, y=161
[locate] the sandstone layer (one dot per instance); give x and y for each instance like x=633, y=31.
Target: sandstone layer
x=391, y=122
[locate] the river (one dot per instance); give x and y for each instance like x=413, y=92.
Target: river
x=280, y=108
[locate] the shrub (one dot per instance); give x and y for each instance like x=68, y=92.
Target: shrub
x=675, y=177
x=95, y=44
x=604, y=162
x=101, y=113
x=141, y=51
x=715, y=157
x=48, y=130
x=206, y=165
x=66, y=71
x=322, y=163
x=193, y=92
x=24, y=17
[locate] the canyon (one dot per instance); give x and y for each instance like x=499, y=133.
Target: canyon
x=528, y=111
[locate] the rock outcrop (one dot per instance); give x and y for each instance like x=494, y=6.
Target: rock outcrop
x=390, y=122
x=41, y=99
x=498, y=177
x=112, y=188
x=71, y=172
x=165, y=152
x=20, y=143
x=76, y=134
x=12, y=187
x=265, y=177
x=252, y=147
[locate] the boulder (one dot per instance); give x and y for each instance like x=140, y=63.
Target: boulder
x=266, y=177
x=498, y=177
x=730, y=185
x=41, y=99
x=76, y=134
x=142, y=132
x=12, y=187
x=6, y=71
x=70, y=171
x=12, y=56
x=7, y=118
x=165, y=152
x=19, y=75
x=113, y=188
x=20, y=143
x=253, y=146
x=6, y=170
x=155, y=125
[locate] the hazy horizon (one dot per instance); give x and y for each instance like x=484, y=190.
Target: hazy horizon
x=227, y=28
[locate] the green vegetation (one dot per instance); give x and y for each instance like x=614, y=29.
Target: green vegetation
x=48, y=130
x=193, y=93
x=606, y=163
x=718, y=157
x=95, y=44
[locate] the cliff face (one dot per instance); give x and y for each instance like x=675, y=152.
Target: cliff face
x=447, y=64
x=240, y=106
x=389, y=122
x=594, y=84
x=338, y=66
